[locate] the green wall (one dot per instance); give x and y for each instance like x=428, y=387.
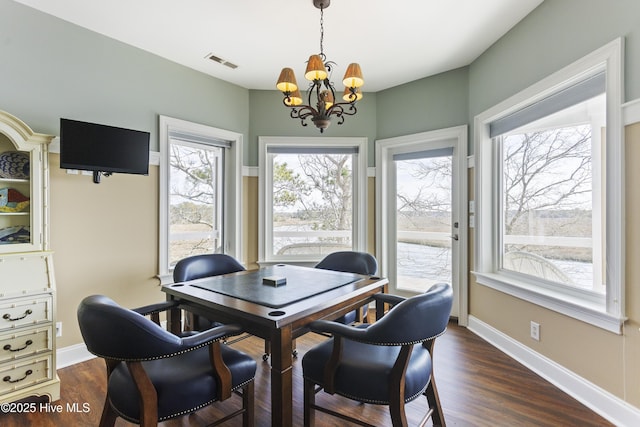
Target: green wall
x=52, y=69
x=554, y=35
x=269, y=117
x=431, y=103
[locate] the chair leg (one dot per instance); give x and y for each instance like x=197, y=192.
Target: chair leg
x=108, y=418
x=437, y=417
x=248, y=418
x=396, y=409
x=309, y=401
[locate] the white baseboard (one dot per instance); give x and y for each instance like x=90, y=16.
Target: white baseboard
x=595, y=398
x=71, y=355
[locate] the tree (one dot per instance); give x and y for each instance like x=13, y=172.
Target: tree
x=316, y=189
x=548, y=170
x=330, y=176
x=288, y=186
x=194, y=205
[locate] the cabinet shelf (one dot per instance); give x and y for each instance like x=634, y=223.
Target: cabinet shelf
x=13, y=181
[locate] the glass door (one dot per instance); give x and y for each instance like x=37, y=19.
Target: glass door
x=424, y=226
x=421, y=213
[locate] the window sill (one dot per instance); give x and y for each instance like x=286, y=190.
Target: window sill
x=591, y=313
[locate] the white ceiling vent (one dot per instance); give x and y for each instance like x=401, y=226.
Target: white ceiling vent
x=219, y=60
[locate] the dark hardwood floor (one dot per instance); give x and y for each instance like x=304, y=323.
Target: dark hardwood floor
x=478, y=385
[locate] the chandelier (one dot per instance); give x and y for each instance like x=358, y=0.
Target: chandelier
x=321, y=97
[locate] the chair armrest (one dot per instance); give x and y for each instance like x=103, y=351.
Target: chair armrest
x=388, y=298
x=156, y=308
x=210, y=335
x=340, y=329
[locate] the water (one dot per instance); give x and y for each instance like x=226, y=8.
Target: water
x=421, y=261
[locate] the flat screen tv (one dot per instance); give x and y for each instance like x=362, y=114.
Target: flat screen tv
x=103, y=149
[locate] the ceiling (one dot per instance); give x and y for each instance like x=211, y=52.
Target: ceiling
x=395, y=41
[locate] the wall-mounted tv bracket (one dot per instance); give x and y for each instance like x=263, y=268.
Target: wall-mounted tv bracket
x=97, y=174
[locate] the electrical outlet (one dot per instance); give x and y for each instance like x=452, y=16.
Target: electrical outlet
x=535, y=331
x=58, y=329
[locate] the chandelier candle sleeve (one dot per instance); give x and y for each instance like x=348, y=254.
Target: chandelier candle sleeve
x=315, y=69
x=353, y=76
x=287, y=81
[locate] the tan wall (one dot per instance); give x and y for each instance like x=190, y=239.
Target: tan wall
x=608, y=360
x=105, y=241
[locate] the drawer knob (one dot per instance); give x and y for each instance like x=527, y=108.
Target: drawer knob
x=10, y=319
x=8, y=379
x=26, y=344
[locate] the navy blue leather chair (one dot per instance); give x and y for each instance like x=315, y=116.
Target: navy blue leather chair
x=153, y=375
x=198, y=267
x=388, y=362
x=351, y=262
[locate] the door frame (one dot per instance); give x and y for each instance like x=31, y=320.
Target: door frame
x=384, y=148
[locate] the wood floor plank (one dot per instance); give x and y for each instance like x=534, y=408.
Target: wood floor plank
x=479, y=386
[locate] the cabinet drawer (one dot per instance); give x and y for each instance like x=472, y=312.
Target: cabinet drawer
x=25, y=343
x=25, y=274
x=23, y=312
x=14, y=376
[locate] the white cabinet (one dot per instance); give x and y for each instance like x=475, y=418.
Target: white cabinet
x=27, y=284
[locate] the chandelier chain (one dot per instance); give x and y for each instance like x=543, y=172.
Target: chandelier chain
x=321, y=31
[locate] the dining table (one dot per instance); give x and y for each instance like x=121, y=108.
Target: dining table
x=276, y=303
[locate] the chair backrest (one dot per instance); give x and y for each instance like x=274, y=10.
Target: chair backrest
x=199, y=266
x=350, y=262
x=114, y=332
x=415, y=319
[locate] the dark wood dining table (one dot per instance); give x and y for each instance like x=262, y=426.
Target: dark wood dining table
x=278, y=314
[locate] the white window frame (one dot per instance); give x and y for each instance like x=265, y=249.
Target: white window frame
x=359, y=201
x=232, y=221
x=608, y=315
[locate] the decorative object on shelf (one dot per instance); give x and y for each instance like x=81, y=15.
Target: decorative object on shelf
x=319, y=73
x=14, y=165
x=15, y=234
x=11, y=200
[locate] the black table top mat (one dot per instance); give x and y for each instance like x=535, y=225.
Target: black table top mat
x=301, y=283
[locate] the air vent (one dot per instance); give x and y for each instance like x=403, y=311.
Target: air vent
x=221, y=61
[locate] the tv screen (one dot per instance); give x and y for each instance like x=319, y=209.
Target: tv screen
x=101, y=148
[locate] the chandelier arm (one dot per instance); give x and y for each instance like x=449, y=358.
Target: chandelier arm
x=339, y=109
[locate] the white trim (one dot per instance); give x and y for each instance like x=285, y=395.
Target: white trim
x=611, y=407
x=608, y=57
x=631, y=112
x=68, y=356
x=154, y=158
x=359, y=201
x=233, y=183
x=371, y=172
x=455, y=137
x=250, y=171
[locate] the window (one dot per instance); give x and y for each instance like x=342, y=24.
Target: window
x=312, y=195
x=549, y=192
x=199, y=192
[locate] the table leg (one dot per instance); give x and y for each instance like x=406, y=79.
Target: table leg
x=281, y=377
x=174, y=316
